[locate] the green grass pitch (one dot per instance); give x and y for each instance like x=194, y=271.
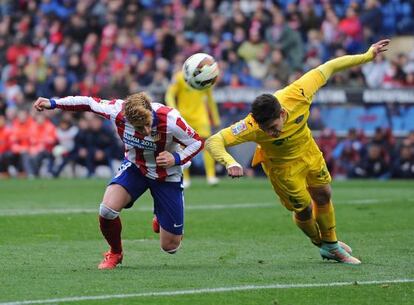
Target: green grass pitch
x=239, y=242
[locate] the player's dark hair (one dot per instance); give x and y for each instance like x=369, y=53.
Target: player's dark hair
x=266, y=107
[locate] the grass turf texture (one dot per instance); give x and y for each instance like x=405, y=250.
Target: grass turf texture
x=53, y=253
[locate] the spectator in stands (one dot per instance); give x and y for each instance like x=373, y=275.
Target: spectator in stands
x=65, y=151
x=384, y=139
x=347, y=154
x=3, y=106
x=95, y=145
x=394, y=76
x=280, y=35
x=42, y=140
x=278, y=70
x=327, y=142
x=351, y=28
x=20, y=134
x=329, y=28
x=4, y=148
x=258, y=67
x=373, y=165
x=235, y=67
x=309, y=20
x=109, y=47
x=375, y=71
x=250, y=49
x=315, y=122
x=158, y=86
x=409, y=141
x=403, y=166
x=371, y=16
x=315, y=50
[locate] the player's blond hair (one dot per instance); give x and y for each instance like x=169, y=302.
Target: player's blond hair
x=138, y=109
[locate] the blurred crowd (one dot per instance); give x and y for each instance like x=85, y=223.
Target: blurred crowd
x=357, y=156
x=38, y=146
x=111, y=48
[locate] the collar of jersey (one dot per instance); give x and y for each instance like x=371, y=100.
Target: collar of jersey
x=154, y=119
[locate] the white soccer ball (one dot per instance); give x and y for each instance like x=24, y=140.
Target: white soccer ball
x=200, y=71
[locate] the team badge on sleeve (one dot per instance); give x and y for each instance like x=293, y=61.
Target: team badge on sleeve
x=238, y=128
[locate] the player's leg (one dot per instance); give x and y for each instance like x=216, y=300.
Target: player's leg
x=319, y=188
x=323, y=211
x=122, y=191
x=305, y=221
x=203, y=128
x=114, y=200
x=170, y=242
x=169, y=211
x=210, y=168
x=186, y=178
x=289, y=183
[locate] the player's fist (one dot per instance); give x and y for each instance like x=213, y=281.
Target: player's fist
x=380, y=46
x=42, y=104
x=165, y=159
x=235, y=170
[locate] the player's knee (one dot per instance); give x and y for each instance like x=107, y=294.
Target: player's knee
x=303, y=215
x=107, y=213
x=171, y=247
x=322, y=197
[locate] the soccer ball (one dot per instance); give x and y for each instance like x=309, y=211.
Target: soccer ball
x=200, y=71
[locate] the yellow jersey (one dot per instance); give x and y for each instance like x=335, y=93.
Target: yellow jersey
x=197, y=107
x=295, y=137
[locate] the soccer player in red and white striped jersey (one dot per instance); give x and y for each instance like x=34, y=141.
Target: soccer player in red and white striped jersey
x=158, y=142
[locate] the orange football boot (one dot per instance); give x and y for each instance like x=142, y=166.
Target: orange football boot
x=111, y=260
x=155, y=225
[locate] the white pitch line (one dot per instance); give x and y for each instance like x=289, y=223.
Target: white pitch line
x=205, y=290
x=201, y=207
x=35, y=211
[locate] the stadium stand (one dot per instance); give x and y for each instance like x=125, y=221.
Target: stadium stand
x=113, y=48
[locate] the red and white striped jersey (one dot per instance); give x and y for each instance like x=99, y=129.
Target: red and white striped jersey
x=170, y=132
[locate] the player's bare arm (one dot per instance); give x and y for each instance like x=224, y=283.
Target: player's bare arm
x=42, y=103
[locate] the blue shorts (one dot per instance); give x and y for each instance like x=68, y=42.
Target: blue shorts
x=168, y=196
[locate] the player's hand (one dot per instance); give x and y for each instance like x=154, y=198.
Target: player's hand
x=380, y=46
x=165, y=159
x=42, y=104
x=235, y=171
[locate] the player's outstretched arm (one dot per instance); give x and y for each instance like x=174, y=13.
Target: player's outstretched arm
x=104, y=108
x=216, y=147
x=42, y=103
x=348, y=61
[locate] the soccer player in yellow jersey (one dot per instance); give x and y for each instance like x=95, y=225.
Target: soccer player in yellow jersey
x=200, y=111
x=289, y=155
